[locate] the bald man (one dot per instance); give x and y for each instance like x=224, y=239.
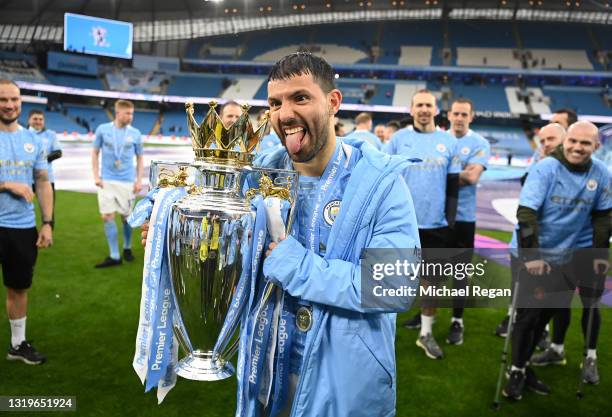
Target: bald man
x=562, y=195
x=550, y=137
x=589, y=283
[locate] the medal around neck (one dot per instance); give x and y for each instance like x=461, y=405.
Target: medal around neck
x=210, y=237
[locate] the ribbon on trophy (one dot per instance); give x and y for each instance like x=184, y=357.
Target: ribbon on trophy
x=268, y=326
x=156, y=347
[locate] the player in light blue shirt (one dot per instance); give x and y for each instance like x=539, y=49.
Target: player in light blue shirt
x=22, y=163
x=562, y=193
x=51, y=144
x=434, y=185
x=363, y=130
x=473, y=154
x=119, y=180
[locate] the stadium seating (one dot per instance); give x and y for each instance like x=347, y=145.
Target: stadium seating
x=144, y=120
x=487, y=57
x=415, y=55
x=75, y=81
x=137, y=81
x=54, y=120
x=585, y=100
x=570, y=59
x=220, y=47
x=481, y=34
x=553, y=36
x=243, y=88
x=404, y=91
x=194, y=85
x=89, y=116
x=485, y=97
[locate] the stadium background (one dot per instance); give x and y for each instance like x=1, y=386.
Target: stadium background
x=517, y=60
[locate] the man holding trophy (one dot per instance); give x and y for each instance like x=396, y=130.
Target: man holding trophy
x=308, y=344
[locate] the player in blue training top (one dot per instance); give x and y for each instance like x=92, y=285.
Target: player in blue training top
x=120, y=144
x=270, y=142
x=562, y=194
x=474, y=152
x=434, y=185
x=23, y=162
x=363, y=130
x=549, y=137
x=36, y=124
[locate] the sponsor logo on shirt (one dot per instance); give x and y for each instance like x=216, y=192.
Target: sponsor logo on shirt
x=591, y=185
x=28, y=147
x=331, y=210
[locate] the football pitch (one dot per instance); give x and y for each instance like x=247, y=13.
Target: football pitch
x=85, y=321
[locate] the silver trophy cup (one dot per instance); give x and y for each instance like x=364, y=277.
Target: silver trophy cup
x=209, y=236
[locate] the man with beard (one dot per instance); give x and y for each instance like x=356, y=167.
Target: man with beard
x=350, y=197
x=379, y=131
x=23, y=162
x=434, y=184
x=474, y=151
x=53, y=149
x=562, y=194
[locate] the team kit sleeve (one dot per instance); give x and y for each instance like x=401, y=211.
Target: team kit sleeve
x=536, y=186
x=336, y=282
x=55, y=143
x=454, y=164
x=138, y=144
x=41, y=155
x=99, y=139
x=481, y=154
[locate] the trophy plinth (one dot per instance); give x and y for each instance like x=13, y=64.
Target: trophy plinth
x=201, y=366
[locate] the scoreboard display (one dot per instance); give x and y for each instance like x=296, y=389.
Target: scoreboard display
x=97, y=36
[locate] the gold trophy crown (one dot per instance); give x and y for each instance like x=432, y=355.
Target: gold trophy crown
x=212, y=141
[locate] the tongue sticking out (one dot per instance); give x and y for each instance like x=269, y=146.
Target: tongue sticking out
x=294, y=141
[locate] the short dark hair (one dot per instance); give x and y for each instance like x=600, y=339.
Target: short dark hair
x=227, y=104
x=395, y=124
x=572, y=117
x=35, y=111
x=303, y=63
x=464, y=100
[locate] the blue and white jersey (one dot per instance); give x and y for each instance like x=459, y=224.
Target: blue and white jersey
x=308, y=190
x=119, y=147
x=50, y=143
x=269, y=143
x=367, y=136
x=427, y=180
x=21, y=152
x=564, y=201
x=535, y=158
x=473, y=149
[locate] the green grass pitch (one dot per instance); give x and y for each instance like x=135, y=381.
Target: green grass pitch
x=85, y=321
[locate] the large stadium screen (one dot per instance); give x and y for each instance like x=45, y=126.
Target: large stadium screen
x=97, y=36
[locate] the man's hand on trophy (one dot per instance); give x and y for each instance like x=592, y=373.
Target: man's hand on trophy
x=272, y=245
x=144, y=232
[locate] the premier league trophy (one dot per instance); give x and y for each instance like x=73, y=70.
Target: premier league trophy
x=210, y=234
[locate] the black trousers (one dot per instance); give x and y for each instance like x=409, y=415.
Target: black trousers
x=539, y=299
x=464, y=240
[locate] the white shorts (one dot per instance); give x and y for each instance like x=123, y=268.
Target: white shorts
x=116, y=196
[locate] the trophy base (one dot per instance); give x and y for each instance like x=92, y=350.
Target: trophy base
x=203, y=367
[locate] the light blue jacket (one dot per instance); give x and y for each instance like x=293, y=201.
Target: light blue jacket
x=348, y=366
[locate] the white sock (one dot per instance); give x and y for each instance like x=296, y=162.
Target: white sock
x=514, y=368
x=509, y=311
x=592, y=353
x=456, y=320
x=547, y=328
x=557, y=348
x=18, y=328
x=426, y=324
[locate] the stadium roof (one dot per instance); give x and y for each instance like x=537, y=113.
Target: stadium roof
x=50, y=12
